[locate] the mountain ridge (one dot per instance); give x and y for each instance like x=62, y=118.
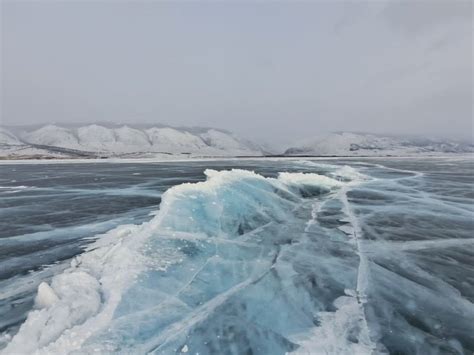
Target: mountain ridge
x=370, y=144
x=96, y=140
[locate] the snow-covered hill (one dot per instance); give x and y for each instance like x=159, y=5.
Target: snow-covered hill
x=361, y=144
x=127, y=141
x=6, y=137
x=122, y=141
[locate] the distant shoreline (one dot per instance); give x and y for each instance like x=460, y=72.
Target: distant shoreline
x=50, y=160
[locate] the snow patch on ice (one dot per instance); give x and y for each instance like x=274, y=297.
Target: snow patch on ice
x=340, y=332
x=298, y=179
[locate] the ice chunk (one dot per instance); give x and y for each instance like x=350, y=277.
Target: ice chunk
x=46, y=296
x=71, y=300
x=308, y=179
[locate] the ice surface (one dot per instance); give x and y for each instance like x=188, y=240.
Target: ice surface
x=231, y=230
x=332, y=260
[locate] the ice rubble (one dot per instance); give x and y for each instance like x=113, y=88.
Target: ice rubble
x=82, y=299
x=214, y=246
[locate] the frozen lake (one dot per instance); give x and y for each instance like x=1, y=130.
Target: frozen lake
x=276, y=256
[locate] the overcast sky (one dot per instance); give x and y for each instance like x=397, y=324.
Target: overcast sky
x=277, y=71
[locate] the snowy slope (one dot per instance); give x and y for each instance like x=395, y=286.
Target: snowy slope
x=25, y=151
x=174, y=141
x=361, y=144
x=133, y=138
x=7, y=137
x=52, y=135
x=220, y=140
x=128, y=141
x=12, y=147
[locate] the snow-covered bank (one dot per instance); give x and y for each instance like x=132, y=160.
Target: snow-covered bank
x=171, y=159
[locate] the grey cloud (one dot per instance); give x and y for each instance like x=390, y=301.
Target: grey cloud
x=417, y=16
x=276, y=71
